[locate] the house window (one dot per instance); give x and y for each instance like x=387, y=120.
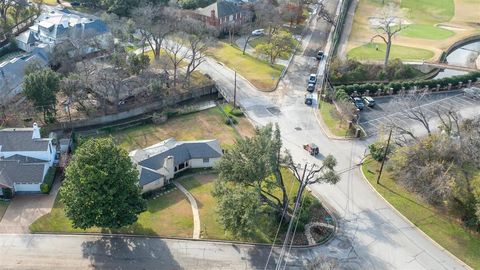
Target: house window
x=231, y=17
x=176, y=169
x=181, y=166
x=206, y=160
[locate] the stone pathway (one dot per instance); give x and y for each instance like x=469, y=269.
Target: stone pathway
x=196, y=215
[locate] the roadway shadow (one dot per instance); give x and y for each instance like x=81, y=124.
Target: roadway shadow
x=129, y=253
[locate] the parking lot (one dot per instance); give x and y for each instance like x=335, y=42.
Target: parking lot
x=388, y=109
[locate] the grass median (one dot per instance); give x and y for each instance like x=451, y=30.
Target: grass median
x=332, y=119
x=261, y=74
x=369, y=52
x=449, y=233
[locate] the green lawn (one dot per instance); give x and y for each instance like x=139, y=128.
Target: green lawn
x=208, y=124
x=429, y=11
x=260, y=73
x=167, y=215
x=201, y=187
x=332, y=119
x=3, y=208
x=447, y=232
x=369, y=52
x=426, y=31
x=264, y=39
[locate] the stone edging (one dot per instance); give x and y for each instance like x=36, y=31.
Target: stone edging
x=407, y=220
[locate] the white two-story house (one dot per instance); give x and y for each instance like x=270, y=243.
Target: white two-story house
x=25, y=159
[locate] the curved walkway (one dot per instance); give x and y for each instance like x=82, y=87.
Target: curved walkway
x=196, y=215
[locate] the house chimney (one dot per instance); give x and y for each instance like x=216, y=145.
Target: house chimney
x=212, y=13
x=36, y=132
x=169, y=166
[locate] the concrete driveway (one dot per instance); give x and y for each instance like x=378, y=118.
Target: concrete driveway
x=26, y=208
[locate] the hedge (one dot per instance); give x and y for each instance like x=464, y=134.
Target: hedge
x=47, y=184
x=397, y=86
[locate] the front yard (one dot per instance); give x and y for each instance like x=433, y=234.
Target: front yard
x=439, y=226
x=260, y=73
x=169, y=214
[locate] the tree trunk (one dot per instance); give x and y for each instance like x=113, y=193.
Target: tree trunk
x=387, y=52
x=246, y=42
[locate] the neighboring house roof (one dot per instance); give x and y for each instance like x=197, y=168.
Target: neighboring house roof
x=25, y=159
x=26, y=37
x=20, y=139
x=148, y=176
x=12, y=72
x=222, y=9
x=16, y=171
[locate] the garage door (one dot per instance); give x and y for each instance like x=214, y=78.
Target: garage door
x=27, y=187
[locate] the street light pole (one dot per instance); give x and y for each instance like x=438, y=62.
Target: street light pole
x=384, y=157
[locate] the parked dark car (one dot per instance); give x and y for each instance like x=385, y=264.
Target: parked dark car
x=319, y=55
x=358, y=102
x=311, y=87
x=312, y=78
x=369, y=101
x=309, y=99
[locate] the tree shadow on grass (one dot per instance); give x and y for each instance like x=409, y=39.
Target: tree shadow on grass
x=129, y=253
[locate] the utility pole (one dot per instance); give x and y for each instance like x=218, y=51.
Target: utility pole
x=235, y=91
x=384, y=157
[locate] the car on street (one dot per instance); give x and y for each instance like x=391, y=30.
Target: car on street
x=311, y=148
x=312, y=78
x=358, y=102
x=472, y=92
x=258, y=32
x=311, y=87
x=369, y=101
x=319, y=55
x=309, y=99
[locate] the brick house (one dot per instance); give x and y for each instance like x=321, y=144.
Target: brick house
x=221, y=15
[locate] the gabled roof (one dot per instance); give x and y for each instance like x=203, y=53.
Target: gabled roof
x=20, y=139
x=148, y=176
x=222, y=9
x=17, y=171
x=181, y=152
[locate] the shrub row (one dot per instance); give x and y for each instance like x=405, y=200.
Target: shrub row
x=397, y=86
x=47, y=184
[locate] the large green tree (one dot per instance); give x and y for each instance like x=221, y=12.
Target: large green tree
x=41, y=87
x=100, y=187
x=281, y=43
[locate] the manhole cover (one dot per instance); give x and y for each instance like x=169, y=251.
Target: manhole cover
x=273, y=110
x=298, y=128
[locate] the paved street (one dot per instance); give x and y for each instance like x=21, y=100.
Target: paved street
x=388, y=110
x=371, y=235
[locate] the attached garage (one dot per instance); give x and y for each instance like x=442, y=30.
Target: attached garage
x=26, y=187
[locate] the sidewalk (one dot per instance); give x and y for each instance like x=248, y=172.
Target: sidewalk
x=347, y=29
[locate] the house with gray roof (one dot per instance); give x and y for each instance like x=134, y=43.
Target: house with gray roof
x=25, y=159
x=222, y=14
x=59, y=25
x=158, y=164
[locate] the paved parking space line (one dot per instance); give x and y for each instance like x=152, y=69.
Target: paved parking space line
x=456, y=101
x=467, y=100
x=446, y=107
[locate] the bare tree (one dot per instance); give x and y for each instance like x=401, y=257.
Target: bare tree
x=388, y=24
x=346, y=109
x=176, y=53
x=267, y=15
x=325, y=15
x=155, y=24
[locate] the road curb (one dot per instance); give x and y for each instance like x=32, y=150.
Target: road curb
x=327, y=132
x=409, y=222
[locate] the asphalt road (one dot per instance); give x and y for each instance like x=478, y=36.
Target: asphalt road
x=371, y=235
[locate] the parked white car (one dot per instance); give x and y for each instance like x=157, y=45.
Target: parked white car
x=258, y=32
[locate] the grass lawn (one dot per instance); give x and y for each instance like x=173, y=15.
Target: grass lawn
x=49, y=2
x=332, y=120
x=3, y=208
x=448, y=233
x=369, y=52
x=426, y=31
x=260, y=73
x=429, y=11
x=167, y=61
x=167, y=215
x=201, y=187
x=208, y=124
